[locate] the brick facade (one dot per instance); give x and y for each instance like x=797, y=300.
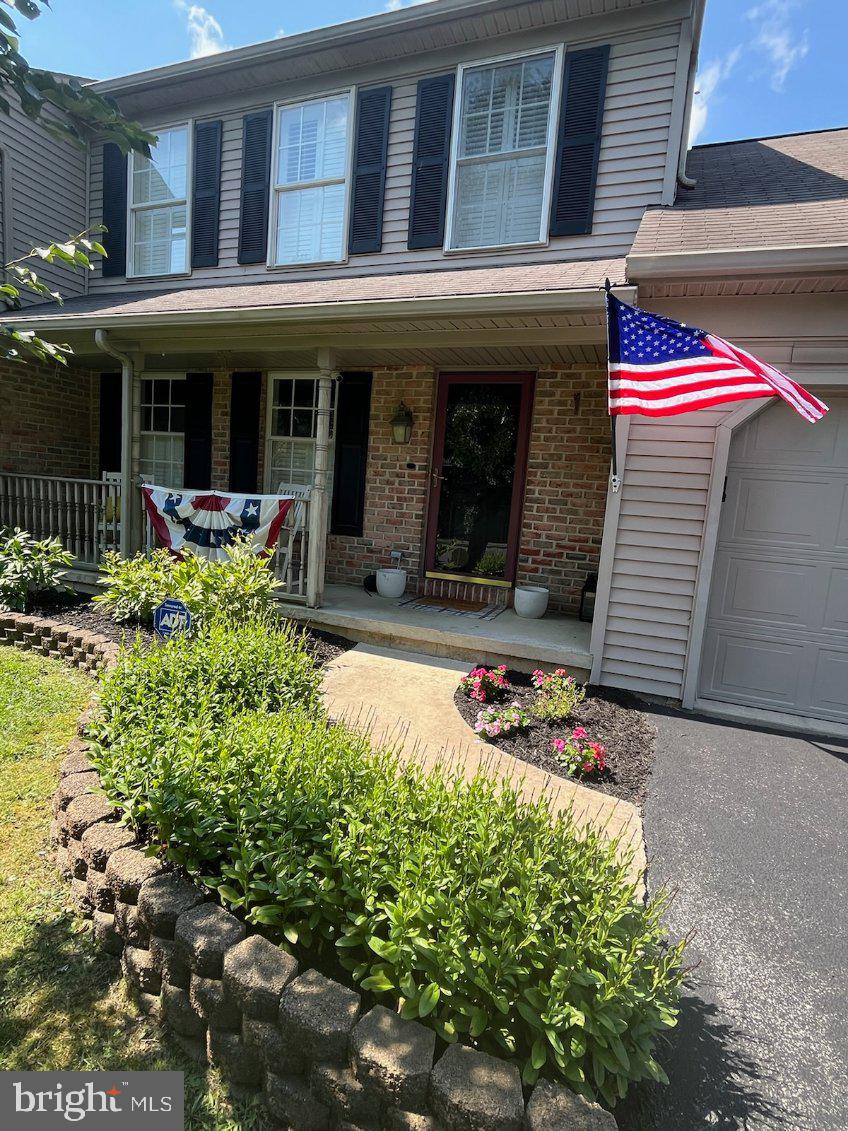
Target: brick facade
x=48, y=420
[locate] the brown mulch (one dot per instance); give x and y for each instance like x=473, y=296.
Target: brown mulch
x=610, y=717
x=80, y=611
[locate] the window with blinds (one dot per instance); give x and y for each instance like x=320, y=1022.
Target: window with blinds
x=292, y=430
x=503, y=152
x=310, y=181
x=158, y=206
x=162, y=439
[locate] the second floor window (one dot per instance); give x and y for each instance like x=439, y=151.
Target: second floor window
x=503, y=156
x=310, y=172
x=159, y=206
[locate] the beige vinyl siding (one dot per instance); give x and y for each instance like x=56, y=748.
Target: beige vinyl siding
x=632, y=165
x=46, y=181
x=657, y=551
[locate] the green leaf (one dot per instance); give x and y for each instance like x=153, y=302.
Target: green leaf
x=291, y=933
x=538, y=1054
x=377, y=983
x=429, y=1000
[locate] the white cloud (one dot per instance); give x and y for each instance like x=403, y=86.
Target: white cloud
x=396, y=5
x=707, y=82
x=782, y=44
x=205, y=34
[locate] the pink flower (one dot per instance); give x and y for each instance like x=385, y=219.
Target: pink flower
x=559, y=745
x=579, y=732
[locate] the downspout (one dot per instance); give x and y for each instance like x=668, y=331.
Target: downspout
x=101, y=339
x=683, y=179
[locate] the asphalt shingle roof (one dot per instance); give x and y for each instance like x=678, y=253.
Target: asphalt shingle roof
x=771, y=192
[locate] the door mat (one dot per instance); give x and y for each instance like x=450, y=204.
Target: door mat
x=478, y=609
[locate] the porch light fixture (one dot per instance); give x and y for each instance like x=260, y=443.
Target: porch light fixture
x=402, y=424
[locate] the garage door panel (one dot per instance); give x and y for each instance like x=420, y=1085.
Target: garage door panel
x=767, y=671
x=777, y=625
x=753, y=590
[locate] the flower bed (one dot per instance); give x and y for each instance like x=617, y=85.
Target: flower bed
x=607, y=719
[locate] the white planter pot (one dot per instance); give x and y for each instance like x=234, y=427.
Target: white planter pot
x=531, y=601
x=391, y=582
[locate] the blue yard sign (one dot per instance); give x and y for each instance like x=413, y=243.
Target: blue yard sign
x=171, y=618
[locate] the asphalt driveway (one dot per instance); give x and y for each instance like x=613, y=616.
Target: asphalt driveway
x=749, y=826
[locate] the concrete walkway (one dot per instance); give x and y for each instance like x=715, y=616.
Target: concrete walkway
x=749, y=826
x=406, y=698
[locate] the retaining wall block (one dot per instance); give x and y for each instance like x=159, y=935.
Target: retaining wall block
x=169, y=962
x=74, y=785
x=150, y=1005
x=472, y=1091
x=140, y=970
x=57, y=833
x=214, y=1004
x=193, y=1047
x=104, y=932
x=238, y=1061
x=76, y=759
x=319, y=1014
x=410, y=1121
x=255, y=974
x=63, y=863
x=180, y=1014
x=161, y=901
x=279, y=1056
x=76, y=860
x=555, y=1108
x=339, y=1090
x=79, y=891
x=393, y=1058
x=99, y=892
x=290, y=1101
x=127, y=869
x=101, y=840
x=203, y=935
x=130, y=927
x=85, y=811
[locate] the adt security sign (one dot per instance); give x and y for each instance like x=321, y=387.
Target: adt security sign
x=171, y=618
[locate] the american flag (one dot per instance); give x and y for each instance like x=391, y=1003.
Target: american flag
x=659, y=367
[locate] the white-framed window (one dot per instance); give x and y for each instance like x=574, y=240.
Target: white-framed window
x=504, y=137
x=310, y=174
x=162, y=454
x=158, y=195
x=292, y=429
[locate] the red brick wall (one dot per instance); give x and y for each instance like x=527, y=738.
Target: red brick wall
x=566, y=489
x=395, y=494
x=565, y=493
x=220, y=431
x=48, y=420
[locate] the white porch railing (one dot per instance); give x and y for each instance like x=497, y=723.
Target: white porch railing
x=85, y=514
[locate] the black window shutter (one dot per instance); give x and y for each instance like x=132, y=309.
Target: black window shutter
x=369, y=170
x=354, y=413
x=430, y=161
x=197, y=471
x=114, y=210
x=255, y=182
x=584, y=84
x=205, y=206
x=110, y=422
x=245, y=395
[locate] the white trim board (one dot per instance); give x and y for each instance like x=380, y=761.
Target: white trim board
x=607, y=559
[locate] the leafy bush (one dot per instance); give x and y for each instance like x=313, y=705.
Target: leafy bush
x=559, y=695
x=465, y=905
x=486, y=684
x=494, y=721
x=491, y=564
x=29, y=568
x=241, y=586
x=579, y=755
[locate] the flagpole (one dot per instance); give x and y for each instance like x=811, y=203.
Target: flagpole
x=615, y=481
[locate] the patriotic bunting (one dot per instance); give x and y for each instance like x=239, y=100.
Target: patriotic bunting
x=209, y=522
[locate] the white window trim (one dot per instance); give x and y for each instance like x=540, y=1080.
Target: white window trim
x=558, y=52
x=276, y=189
x=153, y=375
x=188, y=125
x=269, y=487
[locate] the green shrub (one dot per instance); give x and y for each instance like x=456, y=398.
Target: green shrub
x=29, y=568
x=241, y=586
x=558, y=695
x=466, y=906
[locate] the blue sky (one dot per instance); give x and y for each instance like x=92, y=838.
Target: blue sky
x=767, y=66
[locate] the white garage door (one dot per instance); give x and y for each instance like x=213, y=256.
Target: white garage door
x=777, y=625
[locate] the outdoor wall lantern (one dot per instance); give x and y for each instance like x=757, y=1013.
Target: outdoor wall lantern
x=402, y=424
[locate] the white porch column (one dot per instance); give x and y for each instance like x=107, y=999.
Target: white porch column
x=318, y=498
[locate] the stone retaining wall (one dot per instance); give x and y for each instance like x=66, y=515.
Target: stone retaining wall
x=236, y=1000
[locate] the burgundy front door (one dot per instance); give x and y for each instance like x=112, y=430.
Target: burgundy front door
x=480, y=445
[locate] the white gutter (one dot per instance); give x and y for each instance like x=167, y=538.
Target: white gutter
x=588, y=298
x=683, y=180
x=101, y=339
x=808, y=259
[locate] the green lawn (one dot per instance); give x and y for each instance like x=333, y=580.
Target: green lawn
x=62, y=1002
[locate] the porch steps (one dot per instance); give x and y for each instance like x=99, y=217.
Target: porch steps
x=555, y=640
